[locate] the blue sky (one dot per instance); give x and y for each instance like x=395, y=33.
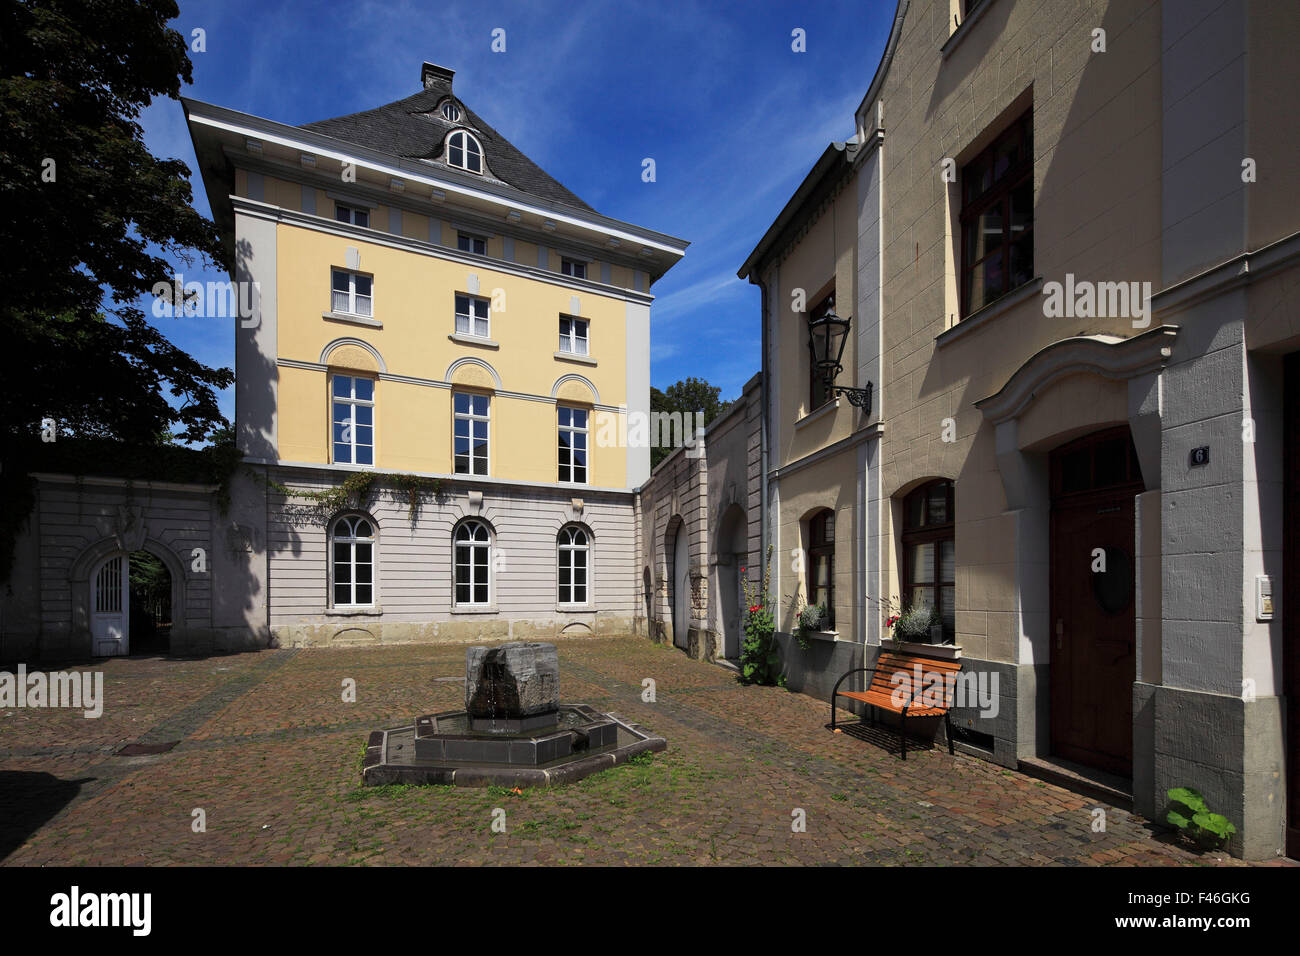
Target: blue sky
x=733, y=118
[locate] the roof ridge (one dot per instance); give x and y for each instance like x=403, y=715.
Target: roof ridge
x=373, y=109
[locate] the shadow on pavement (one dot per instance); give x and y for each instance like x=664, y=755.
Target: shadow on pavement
x=29, y=800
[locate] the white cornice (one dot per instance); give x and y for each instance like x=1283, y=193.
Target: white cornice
x=371, y=195
x=173, y=487
x=870, y=432
x=302, y=141
x=1239, y=270
x=588, y=492
x=438, y=383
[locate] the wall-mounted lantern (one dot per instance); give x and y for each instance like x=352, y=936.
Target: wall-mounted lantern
x=827, y=336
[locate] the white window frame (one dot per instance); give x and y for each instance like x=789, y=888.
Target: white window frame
x=572, y=342
x=472, y=418
x=472, y=317
x=352, y=539
x=355, y=300
x=352, y=402
x=350, y=214
x=573, y=430
x=472, y=240
x=571, y=267
x=566, y=545
x=465, y=538
x=465, y=151
x=450, y=111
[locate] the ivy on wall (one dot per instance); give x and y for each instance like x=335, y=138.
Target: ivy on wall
x=356, y=490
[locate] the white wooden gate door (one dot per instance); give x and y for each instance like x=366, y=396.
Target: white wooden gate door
x=110, y=600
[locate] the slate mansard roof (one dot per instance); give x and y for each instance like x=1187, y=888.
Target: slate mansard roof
x=414, y=128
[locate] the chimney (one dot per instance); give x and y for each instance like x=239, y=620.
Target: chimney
x=431, y=75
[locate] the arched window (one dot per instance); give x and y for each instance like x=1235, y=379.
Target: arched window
x=821, y=563
x=473, y=545
x=464, y=152
x=573, y=552
x=929, y=558
x=352, y=561
x=451, y=111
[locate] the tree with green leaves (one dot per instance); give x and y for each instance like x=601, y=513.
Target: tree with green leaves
x=91, y=222
x=693, y=395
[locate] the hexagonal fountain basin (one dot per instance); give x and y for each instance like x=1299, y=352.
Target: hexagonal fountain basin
x=513, y=731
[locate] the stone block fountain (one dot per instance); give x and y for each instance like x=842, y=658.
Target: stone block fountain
x=513, y=732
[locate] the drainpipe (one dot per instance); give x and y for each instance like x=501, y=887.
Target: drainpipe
x=763, y=428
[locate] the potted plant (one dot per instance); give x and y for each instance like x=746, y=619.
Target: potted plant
x=913, y=624
x=811, y=618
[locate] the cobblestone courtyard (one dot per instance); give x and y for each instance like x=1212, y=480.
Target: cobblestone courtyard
x=268, y=749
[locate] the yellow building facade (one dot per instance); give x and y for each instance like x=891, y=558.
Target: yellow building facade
x=430, y=306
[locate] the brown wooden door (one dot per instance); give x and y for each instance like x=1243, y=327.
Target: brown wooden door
x=1093, y=632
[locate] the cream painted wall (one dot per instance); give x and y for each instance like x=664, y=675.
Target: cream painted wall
x=827, y=484
x=1273, y=136
x=806, y=268
x=1096, y=133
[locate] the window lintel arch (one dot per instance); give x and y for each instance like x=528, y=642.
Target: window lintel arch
x=327, y=353
x=576, y=394
x=466, y=362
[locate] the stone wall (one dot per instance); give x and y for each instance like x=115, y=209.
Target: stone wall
x=711, y=494
x=79, y=523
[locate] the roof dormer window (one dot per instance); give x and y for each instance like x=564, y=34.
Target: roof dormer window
x=451, y=112
x=464, y=152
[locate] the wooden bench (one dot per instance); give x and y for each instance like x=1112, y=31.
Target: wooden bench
x=904, y=694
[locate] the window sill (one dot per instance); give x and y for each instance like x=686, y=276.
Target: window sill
x=824, y=409
x=474, y=609
x=828, y=636
x=478, y=340
x=966, y=26
x=575, y=357
x=997, y=307
x=352, y=319
x=370, y=610
x=950, y=652
x=575, y=609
